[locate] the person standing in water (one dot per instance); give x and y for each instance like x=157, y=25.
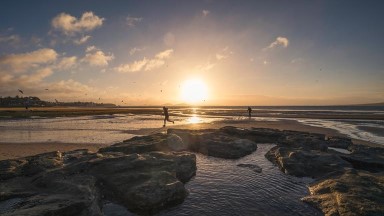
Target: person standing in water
x=249, y=112
x=166, y=116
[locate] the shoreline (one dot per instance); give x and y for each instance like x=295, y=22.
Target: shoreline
x=50, y=112
x=16, y=150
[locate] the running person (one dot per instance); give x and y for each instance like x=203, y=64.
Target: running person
x=166, y=116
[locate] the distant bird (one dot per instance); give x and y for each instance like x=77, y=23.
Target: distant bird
x=99, y=98
x=21, y=91
x=122, y=101
x=46, y=89
x=161, y=90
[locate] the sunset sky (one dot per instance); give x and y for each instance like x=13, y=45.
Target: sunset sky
x=218, y=52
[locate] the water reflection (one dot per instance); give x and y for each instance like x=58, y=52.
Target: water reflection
x=194, y=119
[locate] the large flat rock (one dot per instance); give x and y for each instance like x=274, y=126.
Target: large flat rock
x=75, y=183
x=352, y=193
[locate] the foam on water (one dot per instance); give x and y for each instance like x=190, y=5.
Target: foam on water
x=352, y=128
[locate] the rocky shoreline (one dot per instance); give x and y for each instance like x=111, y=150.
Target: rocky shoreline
x=146, y=174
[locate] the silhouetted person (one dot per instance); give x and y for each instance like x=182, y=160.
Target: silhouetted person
x=166, y=116
x=249, y=112
x=26, y=103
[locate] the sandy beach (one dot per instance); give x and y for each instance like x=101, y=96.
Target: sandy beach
x=15, y=150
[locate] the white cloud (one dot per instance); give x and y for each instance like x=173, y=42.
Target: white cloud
x=67, y=62
x=135, y=50
x=223, y=54
x=132, y=21
x=96, y=57
x=205, y=13
x=25, y=61
x=90, y=48
x=153, y=64
x=82, y=40
x=220, y=57
x=145, y=64
x=69, y=24
x=165, y=54
x=9, y=83
x=280, y=41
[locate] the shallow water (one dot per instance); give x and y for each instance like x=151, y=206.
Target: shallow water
x=220, y=187
x=368, y=130
x=101, y=129
x=109, y=129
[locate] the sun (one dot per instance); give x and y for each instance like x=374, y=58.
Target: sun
x=194, y=91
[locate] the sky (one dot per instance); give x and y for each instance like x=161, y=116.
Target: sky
x=210, y=52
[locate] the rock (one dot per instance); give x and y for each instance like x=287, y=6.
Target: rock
x=30, y=165
x=304, y=163
x=253, y=167
x=175, y=143
x=156, y=142
x=258, y=135
x=215, y=143
x=49, y=195
x=366, y=158
x=143, y=183
x=339, y=142
x=304, y=141
x=352, y=193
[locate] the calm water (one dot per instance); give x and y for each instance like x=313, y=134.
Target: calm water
x=220, y=187
x=108, y=129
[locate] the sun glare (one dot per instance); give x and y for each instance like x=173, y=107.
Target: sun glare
x=194, y=91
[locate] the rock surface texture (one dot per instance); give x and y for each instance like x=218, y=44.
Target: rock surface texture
x=346, y=184
x=75, y=183
x=146, y=174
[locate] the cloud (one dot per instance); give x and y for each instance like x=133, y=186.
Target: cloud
x=34, y=78
x=10, y=82
x=134, y=50
x=96, y=57
x=165, y=54
x=25, y=61
x=13, y=39
x=220, y=57
x=280, y=41
x=69, y=24
x=82, y=40
x=90, y=49
x=145, y=64
x=67, y=62
x=205, y=67
x=132, y=21
x=223, y=54
x=205, y=13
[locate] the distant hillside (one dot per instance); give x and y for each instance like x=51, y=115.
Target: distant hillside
x=36, y=102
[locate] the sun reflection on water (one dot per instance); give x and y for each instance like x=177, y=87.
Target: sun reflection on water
x=194, y=119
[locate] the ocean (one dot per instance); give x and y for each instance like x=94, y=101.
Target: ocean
x=358, y=122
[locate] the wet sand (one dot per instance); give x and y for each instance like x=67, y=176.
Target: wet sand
x=20, y=112
x=15, y=150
